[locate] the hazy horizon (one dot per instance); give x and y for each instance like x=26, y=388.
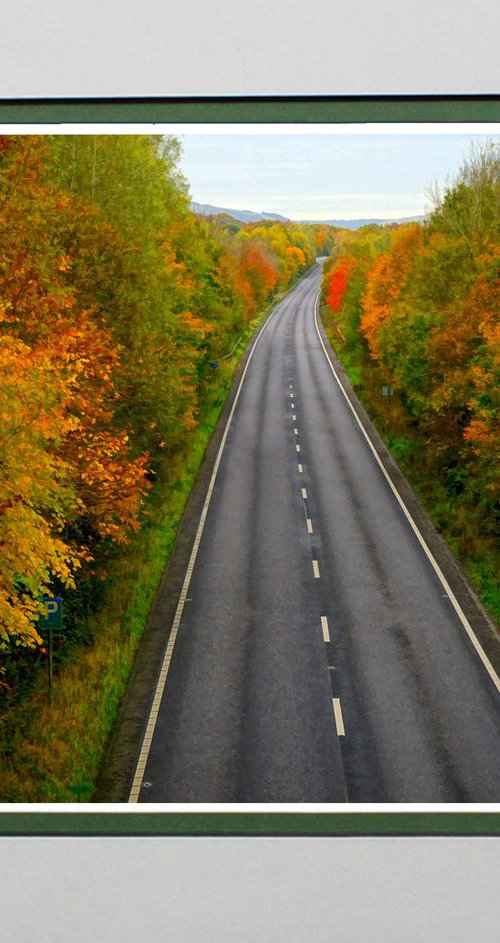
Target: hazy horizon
x=301, y=219
x=322, y=176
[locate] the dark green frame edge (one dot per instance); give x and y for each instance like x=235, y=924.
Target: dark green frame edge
x=258, y=824
x=303, y=109
x=315, y=109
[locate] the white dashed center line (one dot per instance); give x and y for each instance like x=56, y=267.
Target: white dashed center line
x=296, y=431
x=304, y=492
x=294, y=418
x=325, y=629
x=301, y=470
x=309, y=525
x=337, y=713
x=316, y=569
x=297, y=448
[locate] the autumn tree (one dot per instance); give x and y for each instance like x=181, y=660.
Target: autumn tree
x=75, y=465
x=115, y=300
x=429, y=312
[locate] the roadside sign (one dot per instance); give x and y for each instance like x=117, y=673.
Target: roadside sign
x=387, y=391
x=53, y=618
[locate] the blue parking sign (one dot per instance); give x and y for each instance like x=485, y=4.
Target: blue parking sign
x=53, y=619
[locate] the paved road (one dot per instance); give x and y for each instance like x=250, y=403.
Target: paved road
x=317, y=657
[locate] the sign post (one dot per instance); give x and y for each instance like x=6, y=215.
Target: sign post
x=52, y=620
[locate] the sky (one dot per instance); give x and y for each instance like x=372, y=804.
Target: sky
x=322, y=176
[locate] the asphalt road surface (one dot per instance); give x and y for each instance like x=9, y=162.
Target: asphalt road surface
x=316, y=656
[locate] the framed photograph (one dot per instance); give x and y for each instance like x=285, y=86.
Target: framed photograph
x=249, y=480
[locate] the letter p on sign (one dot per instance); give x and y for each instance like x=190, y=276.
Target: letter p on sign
x=53, y=619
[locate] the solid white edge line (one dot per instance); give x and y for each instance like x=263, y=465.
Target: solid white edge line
x=155, y=708
x=437, y=569
x=337, y=713
x=325, y=629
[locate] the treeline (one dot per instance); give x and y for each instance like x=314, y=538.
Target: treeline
x=116, y=305
x=414, y=312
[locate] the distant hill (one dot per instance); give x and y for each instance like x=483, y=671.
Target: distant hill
x=248, y=216
x=357, y=223
x=245, y=216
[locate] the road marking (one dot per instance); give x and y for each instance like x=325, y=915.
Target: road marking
x=300, y=469
x=309, y=525
x=296, y=431
x=294, y=418
x=297, y=448
x=316, y=569
x=423, y=543
x=325, y=629
x=291, y=386
x=304, y=494
x=291, y=395
x=167, y=658
x=339, y=720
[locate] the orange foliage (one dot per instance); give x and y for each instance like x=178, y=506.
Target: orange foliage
x=387, y=279
x=341, y=272
x=114, y=301
x=321, y=238
x=257, y=276
x=65, y=461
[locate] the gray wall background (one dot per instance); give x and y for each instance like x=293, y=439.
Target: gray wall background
x=266, y=890
x=240, y=47
x=364, y=890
